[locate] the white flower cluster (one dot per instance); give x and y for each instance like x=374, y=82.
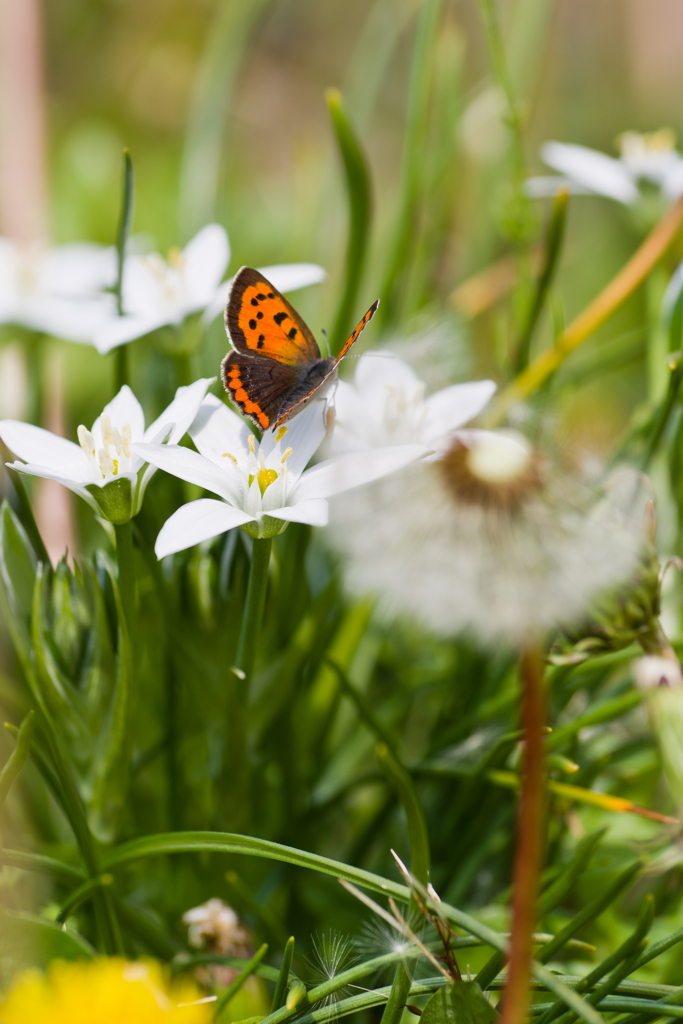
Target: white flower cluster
x=650, y=157
x=67, y=291
x=477, y=533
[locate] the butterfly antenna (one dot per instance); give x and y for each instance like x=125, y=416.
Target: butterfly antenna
x=327, y=341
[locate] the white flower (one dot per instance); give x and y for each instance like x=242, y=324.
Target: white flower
x=586, y=171
x=56, y=291
x=103, y=468
x=160, y=293
x=661, y=683
x=263, y=486
x=215, y=923
x=386, y=405
x=483, y=540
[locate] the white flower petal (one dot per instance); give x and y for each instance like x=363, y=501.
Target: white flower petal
x=182, y=410
x=453, y=407
x=217, y=430
x=40, y=447
x=78, y=269
x=119, y=330
x=123, y=409
x=672, y=186
x=289, y=277
x=314, y=511
x=377, y=371
x=188, y=465
x=352, y=470
x=74, y=319
x=305, y=434
x=546, y=186
x=197, y=521
x=206, y=259
x=48, y=473
x=596, y=171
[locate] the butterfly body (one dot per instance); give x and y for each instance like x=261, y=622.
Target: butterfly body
x=275, y=368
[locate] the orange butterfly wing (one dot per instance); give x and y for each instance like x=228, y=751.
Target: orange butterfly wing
x=299, y=405
x=261, y=322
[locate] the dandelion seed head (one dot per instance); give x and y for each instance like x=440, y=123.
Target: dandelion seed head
x=491, y=539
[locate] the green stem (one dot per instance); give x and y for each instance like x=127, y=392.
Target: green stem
x=664, y=414
x=494, y=39
x=124, y=559
x=121, y=368
x=417, y=825
x=280, y=993
x=69, y=798
x=233, y=989
x=250, y=633
x=121, y=374
x=127, y=193
x=553, y=246
x=529, y=846
x=403, y=244
x=419, y=865
x=358, y=189
x=183, y=371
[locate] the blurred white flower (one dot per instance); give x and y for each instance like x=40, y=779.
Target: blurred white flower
x=58, y=291
x=160, y=293
x=486, y=540
x=661, y=683
x=261, y=486
x=103, y=469
x=216, y=925
x=386, y=405
x=651, y=158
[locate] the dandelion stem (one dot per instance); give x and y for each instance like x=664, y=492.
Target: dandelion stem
x=250, y=633
x=124, y=559
x=529, y=847
x=630, y=277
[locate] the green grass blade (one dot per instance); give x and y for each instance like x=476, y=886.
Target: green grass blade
x=360, y=211
x=16, y=760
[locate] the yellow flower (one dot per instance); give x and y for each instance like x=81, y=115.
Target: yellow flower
x=103, y=991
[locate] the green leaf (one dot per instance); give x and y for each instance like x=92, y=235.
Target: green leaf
x=16, y=759
x=29, y=940
x=111, y=769
x=360, y=209
x=17, y=576
x=463, y=1002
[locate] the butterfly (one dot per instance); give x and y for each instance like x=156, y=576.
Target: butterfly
x=275, y=368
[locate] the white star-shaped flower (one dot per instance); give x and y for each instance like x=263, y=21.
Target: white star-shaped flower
x=161, y=293
x=103, y=468
x=261, y=486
